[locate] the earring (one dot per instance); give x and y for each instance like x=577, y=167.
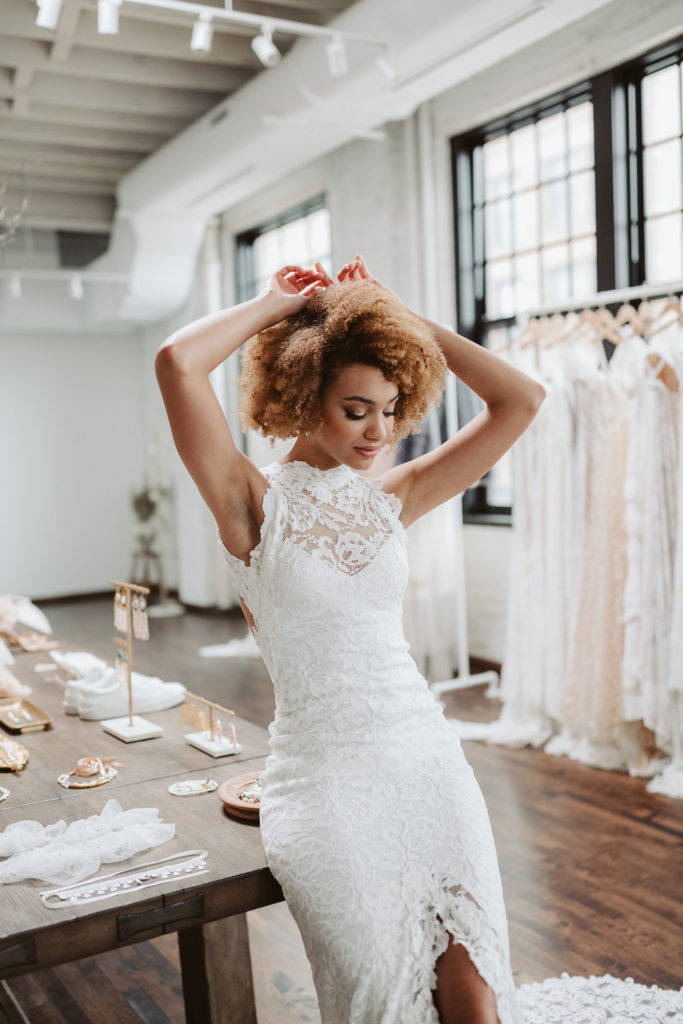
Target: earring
x=120, y=617
x=140, y=621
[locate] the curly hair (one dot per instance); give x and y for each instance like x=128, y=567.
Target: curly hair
x=287, y=367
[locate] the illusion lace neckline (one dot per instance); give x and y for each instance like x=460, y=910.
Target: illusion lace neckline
x=304, y=470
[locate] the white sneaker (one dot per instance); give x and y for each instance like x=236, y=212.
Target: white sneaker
x=109, y=698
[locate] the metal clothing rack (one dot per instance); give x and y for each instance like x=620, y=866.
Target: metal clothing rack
x=609, y=298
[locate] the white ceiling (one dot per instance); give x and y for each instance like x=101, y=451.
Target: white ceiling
x=81, y=109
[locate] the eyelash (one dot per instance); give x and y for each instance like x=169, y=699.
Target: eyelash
x=351, y=416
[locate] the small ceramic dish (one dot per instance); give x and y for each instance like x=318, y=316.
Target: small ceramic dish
x=69, y=780
x=192, y=787
x=237, y=795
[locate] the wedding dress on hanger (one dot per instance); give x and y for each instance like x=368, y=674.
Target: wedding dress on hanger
x=371, y=818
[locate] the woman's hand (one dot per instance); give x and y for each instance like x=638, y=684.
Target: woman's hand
x=290, y=288
x=356, y=270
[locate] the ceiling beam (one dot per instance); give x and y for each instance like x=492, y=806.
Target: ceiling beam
x=59, y=169
x=16, y=130
x=71, y=212
x=29, y=55
x=65, y=90
x=161, y=127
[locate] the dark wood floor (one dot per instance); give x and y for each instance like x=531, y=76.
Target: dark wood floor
x=591, y=862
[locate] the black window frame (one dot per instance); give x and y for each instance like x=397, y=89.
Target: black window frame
x=619, y=205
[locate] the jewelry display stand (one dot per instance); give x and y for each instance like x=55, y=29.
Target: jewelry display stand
x=210, y=737
x=130, y=617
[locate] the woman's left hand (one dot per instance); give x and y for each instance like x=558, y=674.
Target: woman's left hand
x=356, y=270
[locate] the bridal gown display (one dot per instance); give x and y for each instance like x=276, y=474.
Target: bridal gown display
x=371, y=818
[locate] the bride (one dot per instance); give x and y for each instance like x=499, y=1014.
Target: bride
x=371, y=818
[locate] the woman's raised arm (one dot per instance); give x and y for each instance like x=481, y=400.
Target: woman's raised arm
x=225, y=477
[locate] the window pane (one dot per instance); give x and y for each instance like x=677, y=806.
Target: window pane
x=294, y=241
x=499, y=288
x=582, y=198
x=554, y=224
x=661, y=105
x=266, y=254
x=551, y=142
x=663, y=249
x=527, y=281
x=584, y=268
x=662, y=174
x=319, y=228
x=555, y=274
x=496, y=168
x=525, y=206
x=497, y=217
x=524, y=170
x=580, y=126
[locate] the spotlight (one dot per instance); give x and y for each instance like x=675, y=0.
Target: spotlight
x=108, y=17
x=202, y=33
x=383, y=65
x=48, y=13
x=265, y=49
x=15, y=286
x=76, y=287
x=336, y=57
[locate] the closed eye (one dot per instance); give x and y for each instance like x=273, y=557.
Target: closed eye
x=352, y=416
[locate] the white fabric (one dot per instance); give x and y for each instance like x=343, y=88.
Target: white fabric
x=597, y=499
x=599, y=1000
x=23, y=610
x=371, y=817
x=62, y=853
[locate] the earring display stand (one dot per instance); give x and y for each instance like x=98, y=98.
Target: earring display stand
x=211, y=740
x=130, y=727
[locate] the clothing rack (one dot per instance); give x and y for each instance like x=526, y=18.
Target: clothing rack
x=604, y=300
x=608, y=298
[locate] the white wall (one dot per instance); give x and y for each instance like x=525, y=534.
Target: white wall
x=71, y=420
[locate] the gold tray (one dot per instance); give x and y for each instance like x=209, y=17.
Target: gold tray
x=19, y=715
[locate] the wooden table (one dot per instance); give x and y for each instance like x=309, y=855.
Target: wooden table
x=208, y=912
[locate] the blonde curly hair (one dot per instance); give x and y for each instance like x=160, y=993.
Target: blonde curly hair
x=286, y=368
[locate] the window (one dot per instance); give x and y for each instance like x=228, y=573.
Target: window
x=579, y=193
x=662, y=163
x=300, y=236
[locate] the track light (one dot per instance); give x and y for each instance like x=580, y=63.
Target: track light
x=264, y=47
x=202, y=33
x=336, y=57
x=15, y=286
x=76, y=287
x=48, y=13
x=108, y=17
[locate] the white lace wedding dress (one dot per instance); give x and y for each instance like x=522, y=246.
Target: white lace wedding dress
x=371, y=818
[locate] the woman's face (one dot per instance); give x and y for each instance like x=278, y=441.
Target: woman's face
x=358, y=415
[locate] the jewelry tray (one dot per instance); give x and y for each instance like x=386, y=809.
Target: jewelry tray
x=13, y=712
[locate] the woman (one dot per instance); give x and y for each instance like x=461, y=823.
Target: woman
x=371, y=817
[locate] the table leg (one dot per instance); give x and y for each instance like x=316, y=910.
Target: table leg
x=218, y=985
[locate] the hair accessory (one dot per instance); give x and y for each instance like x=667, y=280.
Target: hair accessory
x=89, y=772
x=128, y=879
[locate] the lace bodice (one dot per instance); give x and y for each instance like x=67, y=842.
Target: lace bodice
x=332, y=551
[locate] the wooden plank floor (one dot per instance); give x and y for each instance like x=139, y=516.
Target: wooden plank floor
x=591, y=862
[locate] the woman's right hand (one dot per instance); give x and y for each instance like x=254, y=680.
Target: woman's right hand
x=290, y=288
